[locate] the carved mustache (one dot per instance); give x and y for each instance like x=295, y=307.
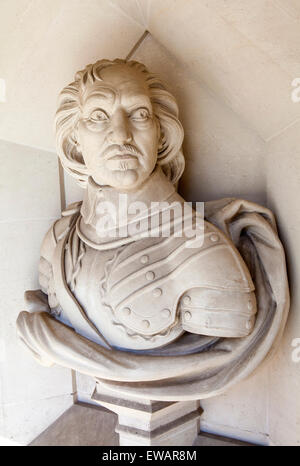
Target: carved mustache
x=117, y=149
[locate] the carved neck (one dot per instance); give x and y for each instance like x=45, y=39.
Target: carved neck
x=95, y=208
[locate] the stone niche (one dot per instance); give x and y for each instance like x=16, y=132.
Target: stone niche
x=240, y=141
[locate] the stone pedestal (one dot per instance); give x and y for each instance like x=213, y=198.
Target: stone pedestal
x=147, y=422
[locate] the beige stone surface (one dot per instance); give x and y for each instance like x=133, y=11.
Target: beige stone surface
x=242, y=412
x=146, y=422
x=25, y=421
x=29, y=203
x=111, y=144
x=20, y=168
x=35, y=28
x=74, y=193
x=85, y=387
x=265, y=23
x=45, y=36
x=85, y=425
x=242, y=75
x=211, y=440
x=133, y=9
x=284, y=374
x=217, y=144
x=81, y=425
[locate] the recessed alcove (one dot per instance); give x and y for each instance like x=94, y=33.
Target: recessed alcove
x=230, y=65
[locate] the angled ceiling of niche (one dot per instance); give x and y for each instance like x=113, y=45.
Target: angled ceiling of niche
x=43, y=43
x=245, y=53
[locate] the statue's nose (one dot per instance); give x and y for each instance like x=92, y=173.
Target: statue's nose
x=120, y=132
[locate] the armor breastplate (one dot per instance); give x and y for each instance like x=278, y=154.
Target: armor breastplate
x=144, y=288
x=142, y=291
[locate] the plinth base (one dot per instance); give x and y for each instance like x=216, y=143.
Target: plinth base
x=89, y=425
x=147, y=422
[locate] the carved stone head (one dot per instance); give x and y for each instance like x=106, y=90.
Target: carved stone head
x=115, y=122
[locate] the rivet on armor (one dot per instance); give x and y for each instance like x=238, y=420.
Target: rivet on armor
x=144, y=259
x=145, y=323
x=127, y=311
x=187, y=315
x=150, y=275
x=187, y=300
x=166, y=313
x=214, y=237
x=157, y=292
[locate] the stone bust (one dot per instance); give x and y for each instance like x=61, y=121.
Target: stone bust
x=119, y=135
x=125, y=133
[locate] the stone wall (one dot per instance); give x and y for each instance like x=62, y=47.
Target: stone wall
x=230, y=65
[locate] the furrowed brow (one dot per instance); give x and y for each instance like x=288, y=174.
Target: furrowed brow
x=105, y=94
x=138, y=101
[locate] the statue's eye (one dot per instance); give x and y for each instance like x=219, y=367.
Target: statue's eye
x=140, y=114
x=98, y=115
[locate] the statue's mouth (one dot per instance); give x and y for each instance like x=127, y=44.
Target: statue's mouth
x=122, y=157
x=121, y=152
x=122, y=162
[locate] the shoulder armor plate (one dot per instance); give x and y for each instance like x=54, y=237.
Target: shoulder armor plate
x=145, y=283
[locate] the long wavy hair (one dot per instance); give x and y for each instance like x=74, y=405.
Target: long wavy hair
x=169, y=157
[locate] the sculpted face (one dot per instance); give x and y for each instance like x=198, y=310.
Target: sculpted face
x=118, y=133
